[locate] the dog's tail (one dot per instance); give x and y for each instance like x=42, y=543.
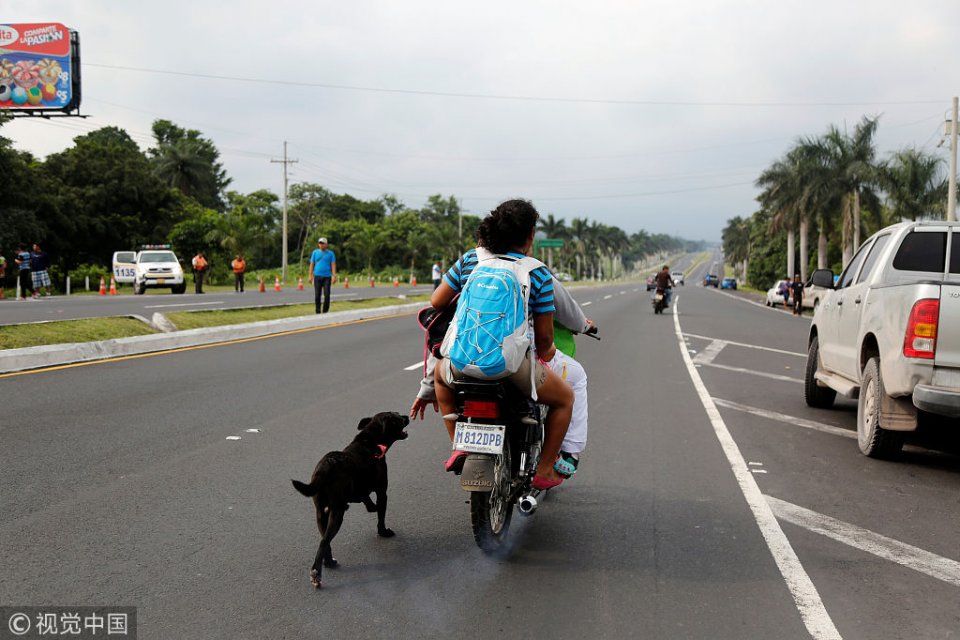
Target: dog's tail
x=308, y=490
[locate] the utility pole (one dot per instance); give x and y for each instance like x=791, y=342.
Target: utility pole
x=952, y=197
x=285, y=162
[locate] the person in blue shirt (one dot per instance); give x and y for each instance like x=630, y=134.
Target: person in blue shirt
x=23, y=260
x=323, y=272
x=509, y=230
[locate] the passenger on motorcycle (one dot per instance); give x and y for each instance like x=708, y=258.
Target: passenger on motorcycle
x=665, y=283
x=508, y=231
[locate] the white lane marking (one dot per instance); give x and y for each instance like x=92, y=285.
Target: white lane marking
x=252, y=430
x=635, y=290
x=607, y=297
x=887, y=548
x=805, y=595
x=750, y=346
x=587, y=304
x=791, y=420
x=183, y=304
x=758, y=470
x=233, y=437
x=762, y=374
x=415, y=365
x=622, y=292
x=756, y=304
x=712, y=351
x=751, y=464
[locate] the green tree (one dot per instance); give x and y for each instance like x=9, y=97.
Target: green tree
x=915, y=183
x=187, y=161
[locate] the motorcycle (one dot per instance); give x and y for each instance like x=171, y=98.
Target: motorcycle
x=659, y=300
x=503, y=432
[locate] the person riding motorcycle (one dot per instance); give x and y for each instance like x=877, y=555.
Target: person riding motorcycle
x=665, y=283
x=508, y=231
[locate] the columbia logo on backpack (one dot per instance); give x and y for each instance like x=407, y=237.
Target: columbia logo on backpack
x=489, y=336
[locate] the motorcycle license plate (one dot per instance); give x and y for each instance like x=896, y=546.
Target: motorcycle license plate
x=659, y=297
x=479, y=438
x=160, y=280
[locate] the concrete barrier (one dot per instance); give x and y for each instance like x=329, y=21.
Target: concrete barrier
x=57, y=354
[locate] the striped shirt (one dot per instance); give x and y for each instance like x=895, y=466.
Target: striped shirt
x=541, y=282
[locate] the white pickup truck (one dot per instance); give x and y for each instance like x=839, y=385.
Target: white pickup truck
x=888, y=334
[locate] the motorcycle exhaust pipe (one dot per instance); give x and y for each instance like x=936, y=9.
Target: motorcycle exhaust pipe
x=528, y=504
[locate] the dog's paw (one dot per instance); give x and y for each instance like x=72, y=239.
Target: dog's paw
x=371, y=508
x=315, y=579
x=385, y=533
x=331, y=563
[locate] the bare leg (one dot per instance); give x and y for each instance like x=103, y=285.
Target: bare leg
x=445, y=399
x=556, y=394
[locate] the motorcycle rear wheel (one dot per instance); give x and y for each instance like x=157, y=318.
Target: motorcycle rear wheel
x=491, y=512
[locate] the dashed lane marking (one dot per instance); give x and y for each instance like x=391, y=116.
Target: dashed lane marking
x=812, y=611
x=233, y=437
x=587, y=304
x=415, y=365
x=607, y=297
x=712, y=351
x=750, y=346
x=859, y=538
x=762, y=374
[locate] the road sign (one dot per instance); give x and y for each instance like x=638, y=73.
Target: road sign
x=549, y=243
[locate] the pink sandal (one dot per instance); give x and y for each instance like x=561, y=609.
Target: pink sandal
x=542, y=484
x=455, y=461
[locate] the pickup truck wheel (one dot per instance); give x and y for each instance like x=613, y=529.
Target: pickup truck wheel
x=815, y=395
x=874, y=441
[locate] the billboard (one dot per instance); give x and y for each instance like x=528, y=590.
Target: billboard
x=39, y=68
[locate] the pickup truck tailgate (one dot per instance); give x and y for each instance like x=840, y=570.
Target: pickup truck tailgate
x=948, y=329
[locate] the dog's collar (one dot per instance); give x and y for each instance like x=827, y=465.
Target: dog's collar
x=383, y=451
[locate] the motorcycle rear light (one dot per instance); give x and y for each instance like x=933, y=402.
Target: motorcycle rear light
x=920, y=340
x=481, y=409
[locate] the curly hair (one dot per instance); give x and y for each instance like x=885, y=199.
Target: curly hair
x=508, y=226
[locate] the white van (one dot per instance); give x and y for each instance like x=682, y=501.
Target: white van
x=124, y=266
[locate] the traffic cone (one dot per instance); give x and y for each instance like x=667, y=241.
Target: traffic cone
x=263, y=287
x=413, y=281
x=346, y=283
x=103, y=286
x=113, y=286
x=276, y=283
x=300, y=284
x=396, y=281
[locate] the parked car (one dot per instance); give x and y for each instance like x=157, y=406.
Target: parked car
x=729, y=283
x=711, y=281
x=888, y=333
x=812, y=295
x=773, y=294
x=124, y=266
x=677, y=277
x=651, y=283
x=156, y=268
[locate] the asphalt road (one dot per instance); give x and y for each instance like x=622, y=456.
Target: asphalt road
x=87, y=306
x=121, y=487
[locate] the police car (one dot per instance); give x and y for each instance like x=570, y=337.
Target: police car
x=157, y=267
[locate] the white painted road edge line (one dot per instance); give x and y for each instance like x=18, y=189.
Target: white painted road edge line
x=762, y=374
x=805, y=595
x=887, y=548
x=415, y=365
x=749, y=346
x=183, y=304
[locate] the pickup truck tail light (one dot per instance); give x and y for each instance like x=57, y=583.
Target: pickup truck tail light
x=480, y=409
x=920, y=340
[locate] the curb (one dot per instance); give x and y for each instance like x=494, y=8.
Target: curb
x=12, y=360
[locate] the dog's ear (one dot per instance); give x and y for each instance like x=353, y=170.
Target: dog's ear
x=364, y=423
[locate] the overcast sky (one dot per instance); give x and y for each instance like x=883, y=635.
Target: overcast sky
x=681, y=169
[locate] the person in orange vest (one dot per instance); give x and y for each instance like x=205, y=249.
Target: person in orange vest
x=239, y=267
x=200, y=266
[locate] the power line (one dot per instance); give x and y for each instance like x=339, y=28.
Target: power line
x=520, y=98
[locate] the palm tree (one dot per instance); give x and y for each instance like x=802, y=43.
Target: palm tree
x=182, y=166
x=555, y=229
x=915, y=184
x=579, y=232
x=736, y=242
x=782, y=186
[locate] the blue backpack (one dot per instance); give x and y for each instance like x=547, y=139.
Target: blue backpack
x=490, y=336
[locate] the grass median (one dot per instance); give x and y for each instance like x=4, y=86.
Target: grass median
x=16, y=336
x=219, y=318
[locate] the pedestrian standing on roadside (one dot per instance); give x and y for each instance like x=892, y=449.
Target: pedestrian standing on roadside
x=3, y=274
x=784, y=291
x=797, y=288
x=437, y=274
x=40, y=270
x=23, y=266
x=200, y=265
x=239, y=267
x=323, y=272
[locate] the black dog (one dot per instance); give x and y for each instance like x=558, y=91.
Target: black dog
x=352, y=475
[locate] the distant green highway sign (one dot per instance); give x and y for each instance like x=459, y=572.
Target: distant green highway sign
x=549, y=243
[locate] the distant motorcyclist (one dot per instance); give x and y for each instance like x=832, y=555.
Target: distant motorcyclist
x=665, y=283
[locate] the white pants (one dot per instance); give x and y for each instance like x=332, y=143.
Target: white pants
x=571, y=372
